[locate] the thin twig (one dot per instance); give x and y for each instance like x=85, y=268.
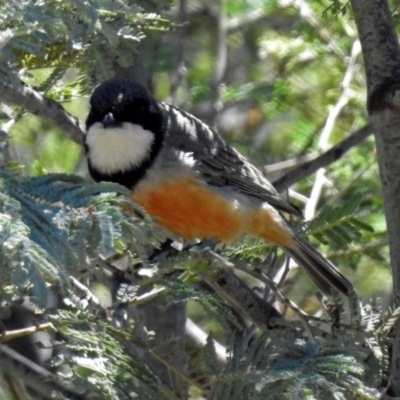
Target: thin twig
x=89, y=296
x=177, y=371
x=272, y=285
x=289, y=164
x=362, y=248
x=323, y=143
x=145, y=297
x=17, y=333
x=231, y=288
x=285, y=272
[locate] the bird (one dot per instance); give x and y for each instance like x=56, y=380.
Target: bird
x=183, y=173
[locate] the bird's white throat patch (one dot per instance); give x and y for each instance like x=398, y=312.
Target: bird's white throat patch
x=119, y=148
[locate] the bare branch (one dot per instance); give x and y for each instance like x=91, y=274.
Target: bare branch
x=17, y=333
x=360, y=249
x=324, y=159
x=334, y=113
x=288, y=165
x=221, y=44
x=221, y=58
x=50, y=110
x=194, y=332
x=34, y=376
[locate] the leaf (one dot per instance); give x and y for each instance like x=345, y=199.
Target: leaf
x=109, y=33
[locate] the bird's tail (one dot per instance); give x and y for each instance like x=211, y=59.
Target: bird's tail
x=325, y=275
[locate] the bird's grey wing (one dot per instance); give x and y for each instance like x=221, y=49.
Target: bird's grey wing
x=219, y=163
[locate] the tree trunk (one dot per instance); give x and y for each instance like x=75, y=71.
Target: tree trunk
x=381, y=53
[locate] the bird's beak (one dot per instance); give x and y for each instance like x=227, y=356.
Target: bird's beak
x=108, y=120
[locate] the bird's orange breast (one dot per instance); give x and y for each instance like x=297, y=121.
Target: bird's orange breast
x=193, y=210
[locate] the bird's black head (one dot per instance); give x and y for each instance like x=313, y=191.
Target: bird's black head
x=124, y=132
x=120, y=100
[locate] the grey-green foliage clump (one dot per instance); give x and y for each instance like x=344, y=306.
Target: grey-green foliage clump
x=63, y=34
x=57, y=226
x=293, y=368
x=48, y=232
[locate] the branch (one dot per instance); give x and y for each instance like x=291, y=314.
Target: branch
x=324, y=159
x=195, y=333
x=334, y=113
x=231, y=288
x=27, y=98
x=34, y=376
x=17, y=333
x=220, y=59
x=249, y=269
x=359, y=249
x=179, y=70
x=290, y=164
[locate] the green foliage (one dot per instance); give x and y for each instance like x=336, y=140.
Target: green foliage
x=48, y=232
x=291, y=368
x=71, y=34
x=101, y=364
x=56, y=226
x=64, y=222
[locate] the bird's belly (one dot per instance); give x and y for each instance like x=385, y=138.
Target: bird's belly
x=192, y=210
